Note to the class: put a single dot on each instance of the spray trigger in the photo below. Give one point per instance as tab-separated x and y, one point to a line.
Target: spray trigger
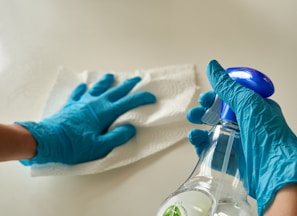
212	114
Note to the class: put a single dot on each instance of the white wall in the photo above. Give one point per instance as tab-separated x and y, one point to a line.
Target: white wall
37	37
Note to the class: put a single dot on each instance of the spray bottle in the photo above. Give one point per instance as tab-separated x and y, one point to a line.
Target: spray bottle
216	185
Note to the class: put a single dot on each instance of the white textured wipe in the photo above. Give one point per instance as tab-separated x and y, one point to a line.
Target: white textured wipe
159	125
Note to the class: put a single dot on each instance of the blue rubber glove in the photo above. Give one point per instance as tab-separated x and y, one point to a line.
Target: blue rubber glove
200	138
269	145
79	132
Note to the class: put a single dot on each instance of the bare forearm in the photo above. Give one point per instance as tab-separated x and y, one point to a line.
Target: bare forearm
16	143
284	202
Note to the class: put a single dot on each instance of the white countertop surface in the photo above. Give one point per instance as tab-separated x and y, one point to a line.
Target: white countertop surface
38	37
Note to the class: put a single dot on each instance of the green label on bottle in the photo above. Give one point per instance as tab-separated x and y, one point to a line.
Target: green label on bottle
188	203
172	211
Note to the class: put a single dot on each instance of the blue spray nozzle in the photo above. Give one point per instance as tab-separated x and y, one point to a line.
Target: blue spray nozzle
250	78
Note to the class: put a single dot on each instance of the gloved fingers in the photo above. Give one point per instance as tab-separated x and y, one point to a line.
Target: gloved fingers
77	92
122	90
113	138
206	99
102	85
195	114
133	100
199	138
234	94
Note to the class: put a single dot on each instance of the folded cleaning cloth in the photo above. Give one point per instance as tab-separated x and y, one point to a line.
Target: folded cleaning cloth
159	125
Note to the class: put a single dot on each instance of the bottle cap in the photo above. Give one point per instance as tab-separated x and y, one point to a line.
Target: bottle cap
250	78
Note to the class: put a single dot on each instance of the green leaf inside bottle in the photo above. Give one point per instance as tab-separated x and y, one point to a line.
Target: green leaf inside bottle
172	211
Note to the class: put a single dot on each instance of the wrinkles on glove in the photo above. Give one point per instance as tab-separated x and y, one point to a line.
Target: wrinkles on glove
269	145
79	132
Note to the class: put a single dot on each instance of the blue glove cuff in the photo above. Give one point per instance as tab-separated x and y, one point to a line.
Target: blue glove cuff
45	137
287	175
284	173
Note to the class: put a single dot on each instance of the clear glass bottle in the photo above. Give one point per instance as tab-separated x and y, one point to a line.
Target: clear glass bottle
216	185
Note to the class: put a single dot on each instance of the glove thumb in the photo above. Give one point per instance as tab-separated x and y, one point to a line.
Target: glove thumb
231	92
119	135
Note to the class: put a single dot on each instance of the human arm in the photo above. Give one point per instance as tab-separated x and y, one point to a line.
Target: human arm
284	202
16	143
269	145
80	131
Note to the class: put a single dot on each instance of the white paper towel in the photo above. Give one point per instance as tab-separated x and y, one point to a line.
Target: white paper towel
158	125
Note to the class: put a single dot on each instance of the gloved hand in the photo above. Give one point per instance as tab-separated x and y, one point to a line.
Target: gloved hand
269	145
79	132
200	138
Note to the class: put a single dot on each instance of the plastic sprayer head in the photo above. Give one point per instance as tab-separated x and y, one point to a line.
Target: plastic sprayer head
250	78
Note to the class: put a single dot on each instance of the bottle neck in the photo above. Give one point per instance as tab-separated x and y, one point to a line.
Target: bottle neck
228	124
222	161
